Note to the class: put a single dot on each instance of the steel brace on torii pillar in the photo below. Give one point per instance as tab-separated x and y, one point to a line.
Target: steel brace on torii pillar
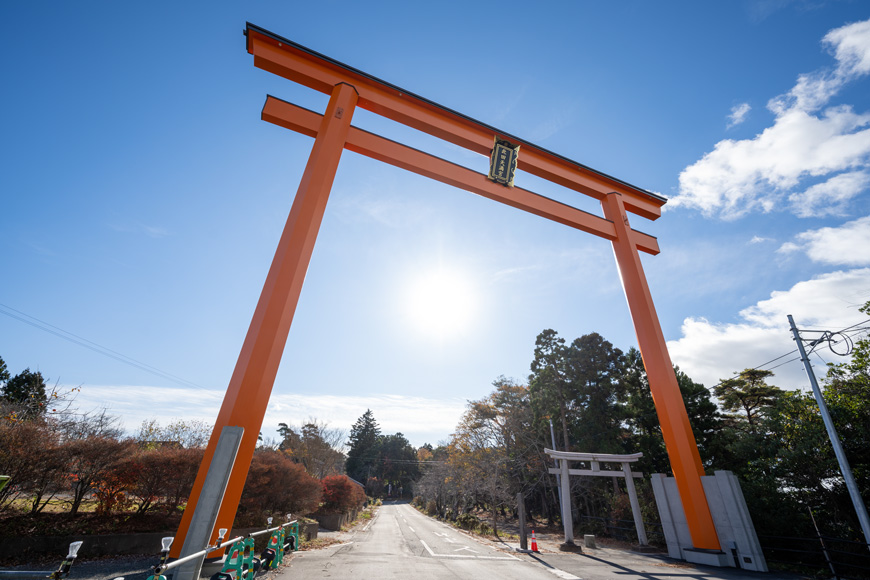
252	380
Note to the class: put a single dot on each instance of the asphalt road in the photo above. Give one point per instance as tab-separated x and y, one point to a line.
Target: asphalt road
400	542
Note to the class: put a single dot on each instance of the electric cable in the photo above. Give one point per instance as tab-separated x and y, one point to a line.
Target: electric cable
828	340
95	347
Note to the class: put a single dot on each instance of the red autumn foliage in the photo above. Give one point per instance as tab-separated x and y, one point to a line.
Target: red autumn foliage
341	495
277	485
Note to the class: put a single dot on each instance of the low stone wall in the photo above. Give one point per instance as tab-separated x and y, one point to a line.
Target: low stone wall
309	531
109	545
334	522
92	545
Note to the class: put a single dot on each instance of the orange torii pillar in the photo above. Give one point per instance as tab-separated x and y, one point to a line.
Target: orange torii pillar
251	384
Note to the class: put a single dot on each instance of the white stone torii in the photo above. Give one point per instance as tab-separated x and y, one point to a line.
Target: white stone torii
595	459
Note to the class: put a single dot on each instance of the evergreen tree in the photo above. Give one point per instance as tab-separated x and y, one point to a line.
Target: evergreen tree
748	393
25	390
549	388
594	370
4	373
643	422
397	462
364	441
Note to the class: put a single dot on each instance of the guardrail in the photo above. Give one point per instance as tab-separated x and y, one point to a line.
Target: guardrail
239	563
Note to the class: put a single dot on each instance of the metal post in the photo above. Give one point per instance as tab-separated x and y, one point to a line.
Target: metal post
521	510
205	514
857	501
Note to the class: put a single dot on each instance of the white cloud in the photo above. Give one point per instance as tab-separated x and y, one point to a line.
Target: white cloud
421	420
846	245
851	45
804	142
738	114
759	240
830	197
710	351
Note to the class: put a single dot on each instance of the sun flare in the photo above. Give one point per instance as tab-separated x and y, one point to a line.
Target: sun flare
441	303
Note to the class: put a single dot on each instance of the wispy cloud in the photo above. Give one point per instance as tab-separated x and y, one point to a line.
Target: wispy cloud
759	240
148	230
808	140
709	351
846	245
386	209
420	419
738	114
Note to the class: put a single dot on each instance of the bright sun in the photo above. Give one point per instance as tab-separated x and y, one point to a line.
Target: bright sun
441	303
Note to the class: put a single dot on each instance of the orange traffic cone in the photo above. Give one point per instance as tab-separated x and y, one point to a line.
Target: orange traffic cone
534	542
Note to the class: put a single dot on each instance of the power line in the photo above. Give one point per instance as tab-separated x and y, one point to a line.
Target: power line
857	327
90	345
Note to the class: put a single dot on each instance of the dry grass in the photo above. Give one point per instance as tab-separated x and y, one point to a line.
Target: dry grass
317	543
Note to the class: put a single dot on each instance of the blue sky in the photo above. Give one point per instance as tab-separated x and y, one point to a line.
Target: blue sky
142	196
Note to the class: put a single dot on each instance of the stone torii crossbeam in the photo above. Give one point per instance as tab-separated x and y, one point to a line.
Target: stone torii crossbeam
251	383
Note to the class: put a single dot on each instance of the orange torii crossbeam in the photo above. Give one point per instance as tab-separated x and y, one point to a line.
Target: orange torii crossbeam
255	371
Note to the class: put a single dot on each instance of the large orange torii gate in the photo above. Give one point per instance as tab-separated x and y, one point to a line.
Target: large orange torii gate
251	384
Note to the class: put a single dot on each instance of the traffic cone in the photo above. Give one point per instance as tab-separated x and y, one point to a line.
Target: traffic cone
534	542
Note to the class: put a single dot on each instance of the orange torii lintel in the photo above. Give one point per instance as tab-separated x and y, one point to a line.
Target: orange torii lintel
255	371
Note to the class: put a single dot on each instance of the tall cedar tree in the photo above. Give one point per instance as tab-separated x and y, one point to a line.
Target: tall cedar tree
362	458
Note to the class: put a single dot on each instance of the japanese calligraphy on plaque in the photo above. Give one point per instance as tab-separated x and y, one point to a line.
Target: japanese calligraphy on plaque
503	162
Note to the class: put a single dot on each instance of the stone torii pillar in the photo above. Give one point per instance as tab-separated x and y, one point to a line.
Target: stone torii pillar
595	460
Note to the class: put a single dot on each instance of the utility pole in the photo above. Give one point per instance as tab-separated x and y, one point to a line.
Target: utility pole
857	501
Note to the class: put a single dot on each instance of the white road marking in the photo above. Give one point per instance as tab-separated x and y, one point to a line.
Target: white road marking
434	555
465	548
447	538
412	530
562	574
428	549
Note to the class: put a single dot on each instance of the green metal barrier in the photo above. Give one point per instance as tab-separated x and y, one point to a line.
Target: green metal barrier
240	560
291	540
